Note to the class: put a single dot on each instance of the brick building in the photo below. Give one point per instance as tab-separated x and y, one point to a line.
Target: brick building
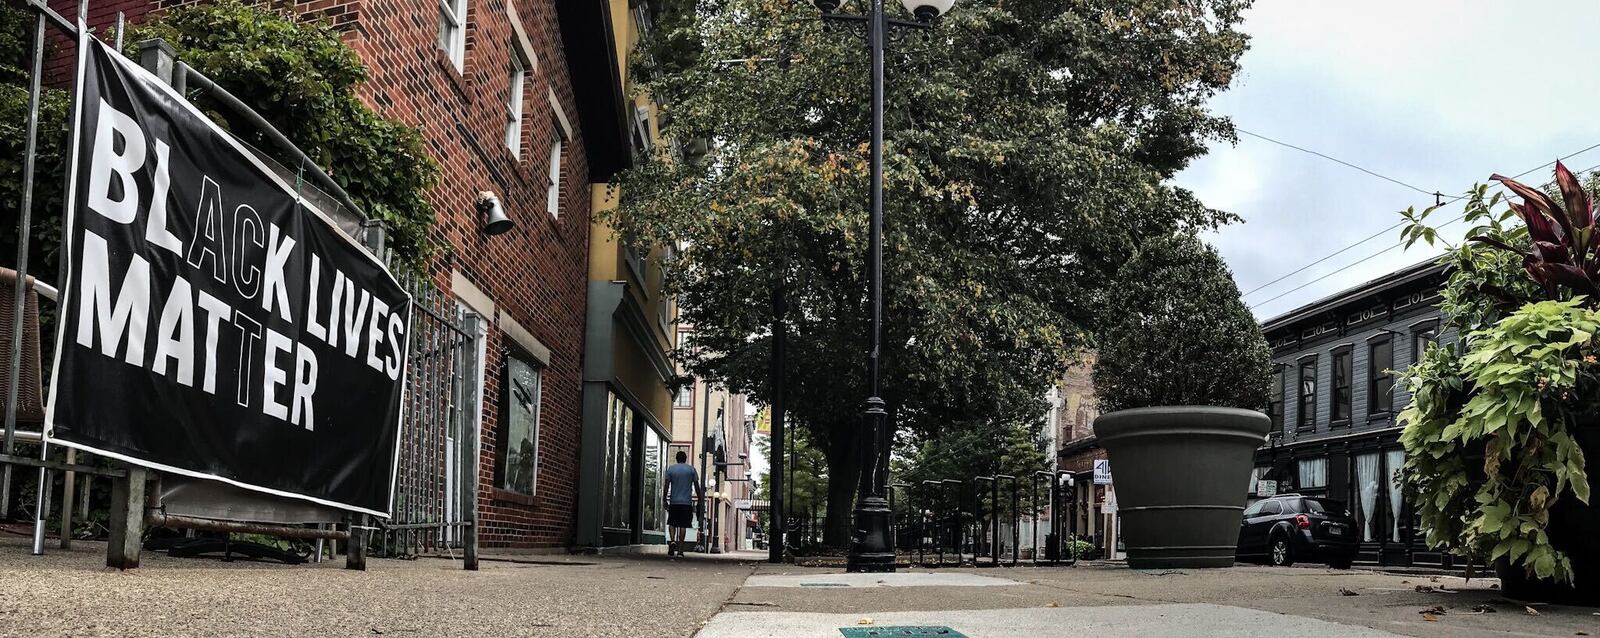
510	97
1075	406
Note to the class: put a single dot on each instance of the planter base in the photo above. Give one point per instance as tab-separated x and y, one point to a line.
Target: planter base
1180	475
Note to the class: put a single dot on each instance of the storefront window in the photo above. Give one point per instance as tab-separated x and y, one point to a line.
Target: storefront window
1313	473
1393	461
654	470
1372	496
619	450
519	430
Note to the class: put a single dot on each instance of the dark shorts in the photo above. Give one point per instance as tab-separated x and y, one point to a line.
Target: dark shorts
680	515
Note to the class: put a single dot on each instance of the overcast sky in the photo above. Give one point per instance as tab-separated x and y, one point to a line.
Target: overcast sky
1419	90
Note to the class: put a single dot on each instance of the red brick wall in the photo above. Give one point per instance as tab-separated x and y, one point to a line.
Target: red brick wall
537	272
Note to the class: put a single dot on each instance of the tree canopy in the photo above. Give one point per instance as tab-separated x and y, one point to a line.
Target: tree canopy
1028	147
1177	333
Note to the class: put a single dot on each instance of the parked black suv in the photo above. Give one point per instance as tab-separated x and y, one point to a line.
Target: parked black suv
1291	527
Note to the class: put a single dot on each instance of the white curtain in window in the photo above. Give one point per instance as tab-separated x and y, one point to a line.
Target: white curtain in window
1367	492
1394	460
1313	473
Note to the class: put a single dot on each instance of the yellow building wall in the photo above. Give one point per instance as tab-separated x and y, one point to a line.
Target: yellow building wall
635	373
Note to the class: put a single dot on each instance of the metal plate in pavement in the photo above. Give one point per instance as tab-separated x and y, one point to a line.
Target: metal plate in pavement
921	631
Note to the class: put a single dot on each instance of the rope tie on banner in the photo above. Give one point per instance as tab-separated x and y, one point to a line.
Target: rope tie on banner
299	181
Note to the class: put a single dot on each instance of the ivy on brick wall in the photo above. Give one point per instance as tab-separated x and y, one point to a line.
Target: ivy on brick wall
298	74
302	77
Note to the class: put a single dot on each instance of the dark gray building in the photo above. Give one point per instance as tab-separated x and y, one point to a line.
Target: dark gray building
1334	401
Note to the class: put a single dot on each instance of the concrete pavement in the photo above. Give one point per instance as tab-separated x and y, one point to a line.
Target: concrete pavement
71	594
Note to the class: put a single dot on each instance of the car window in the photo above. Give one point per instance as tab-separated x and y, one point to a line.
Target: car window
1254	509
1271	508
1292	506
1324	505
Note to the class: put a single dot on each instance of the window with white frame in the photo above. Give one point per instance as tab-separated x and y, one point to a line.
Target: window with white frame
453	31
552	196
516	87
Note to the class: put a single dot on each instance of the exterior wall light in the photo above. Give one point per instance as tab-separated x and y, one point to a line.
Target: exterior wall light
495	220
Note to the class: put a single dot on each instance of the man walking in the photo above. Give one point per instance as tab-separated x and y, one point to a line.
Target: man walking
683	487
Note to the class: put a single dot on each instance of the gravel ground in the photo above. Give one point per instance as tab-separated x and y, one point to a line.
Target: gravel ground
70	593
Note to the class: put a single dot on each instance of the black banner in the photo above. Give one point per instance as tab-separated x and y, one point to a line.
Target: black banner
214	324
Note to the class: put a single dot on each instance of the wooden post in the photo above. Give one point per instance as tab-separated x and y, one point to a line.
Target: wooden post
355	549
127	518
69	481
84	490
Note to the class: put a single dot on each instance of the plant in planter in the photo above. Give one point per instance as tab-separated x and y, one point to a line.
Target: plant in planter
1496	435
1182	373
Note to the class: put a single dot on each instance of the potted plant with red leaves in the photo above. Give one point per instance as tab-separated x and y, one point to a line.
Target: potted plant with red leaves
1182	374
1498	431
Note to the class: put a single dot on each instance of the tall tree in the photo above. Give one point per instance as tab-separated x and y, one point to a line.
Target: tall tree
1028	149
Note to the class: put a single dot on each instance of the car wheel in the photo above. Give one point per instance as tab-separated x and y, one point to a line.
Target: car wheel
1341	563
1279	552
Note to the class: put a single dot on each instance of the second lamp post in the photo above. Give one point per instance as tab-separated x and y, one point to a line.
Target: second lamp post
871	536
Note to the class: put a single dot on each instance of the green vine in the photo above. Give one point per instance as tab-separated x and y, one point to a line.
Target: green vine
302	77
298	74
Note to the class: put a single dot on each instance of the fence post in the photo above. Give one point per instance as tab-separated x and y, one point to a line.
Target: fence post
68	483
355	549
158	57
127	518
469	482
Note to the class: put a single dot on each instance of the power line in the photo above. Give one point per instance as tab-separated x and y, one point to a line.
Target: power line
1336	160
1398	225
1452	220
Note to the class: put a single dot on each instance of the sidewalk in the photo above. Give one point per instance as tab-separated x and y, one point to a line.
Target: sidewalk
69	593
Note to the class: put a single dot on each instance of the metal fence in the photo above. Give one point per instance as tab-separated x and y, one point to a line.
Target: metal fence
437	468
986	521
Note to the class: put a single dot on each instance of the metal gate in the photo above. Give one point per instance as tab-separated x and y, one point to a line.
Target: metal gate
437	465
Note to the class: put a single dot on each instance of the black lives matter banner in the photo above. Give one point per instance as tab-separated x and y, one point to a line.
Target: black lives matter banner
214	324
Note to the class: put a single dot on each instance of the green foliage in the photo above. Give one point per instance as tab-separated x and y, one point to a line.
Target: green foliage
1488	434
1511	400
807	489
1179	334
1484	284
975	449
302	77
1028	144
49	181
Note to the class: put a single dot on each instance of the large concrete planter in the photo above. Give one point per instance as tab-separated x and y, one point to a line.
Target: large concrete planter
1181	474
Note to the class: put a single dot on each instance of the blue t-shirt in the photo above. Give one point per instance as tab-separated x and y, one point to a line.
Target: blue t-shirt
681	479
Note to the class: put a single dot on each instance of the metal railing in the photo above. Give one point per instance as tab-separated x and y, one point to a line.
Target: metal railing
980	522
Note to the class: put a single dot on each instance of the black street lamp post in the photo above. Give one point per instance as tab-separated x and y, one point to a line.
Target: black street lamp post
871	539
